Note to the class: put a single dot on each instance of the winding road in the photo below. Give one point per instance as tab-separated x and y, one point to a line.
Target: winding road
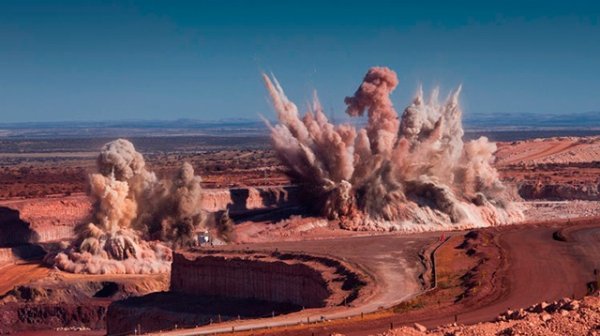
391	259
539	268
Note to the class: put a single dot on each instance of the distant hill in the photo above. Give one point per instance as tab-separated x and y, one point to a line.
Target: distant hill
474	123
229	127
527	120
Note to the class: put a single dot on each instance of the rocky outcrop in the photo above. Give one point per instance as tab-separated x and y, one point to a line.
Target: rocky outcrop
563	317
244	278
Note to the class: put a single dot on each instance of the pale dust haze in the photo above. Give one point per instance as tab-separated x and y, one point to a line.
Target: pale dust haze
138	218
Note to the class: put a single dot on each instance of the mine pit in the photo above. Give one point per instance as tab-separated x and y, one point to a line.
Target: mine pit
281	261
150	303
218	286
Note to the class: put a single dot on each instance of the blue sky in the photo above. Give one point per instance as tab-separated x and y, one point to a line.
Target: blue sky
111	60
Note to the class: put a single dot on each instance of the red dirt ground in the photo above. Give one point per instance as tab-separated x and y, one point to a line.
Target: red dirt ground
537	267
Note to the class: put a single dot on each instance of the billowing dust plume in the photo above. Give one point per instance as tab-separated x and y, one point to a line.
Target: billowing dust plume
414	173
138	218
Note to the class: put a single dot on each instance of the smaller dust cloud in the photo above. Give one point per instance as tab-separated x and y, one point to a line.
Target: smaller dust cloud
138	218
409	173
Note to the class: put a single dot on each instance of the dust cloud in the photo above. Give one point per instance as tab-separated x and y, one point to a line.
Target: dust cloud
413	173
138	218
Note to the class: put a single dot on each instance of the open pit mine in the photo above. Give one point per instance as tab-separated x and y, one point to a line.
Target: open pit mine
396	223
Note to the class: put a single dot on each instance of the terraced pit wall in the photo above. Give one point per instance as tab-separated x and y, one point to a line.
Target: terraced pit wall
236	277
30	221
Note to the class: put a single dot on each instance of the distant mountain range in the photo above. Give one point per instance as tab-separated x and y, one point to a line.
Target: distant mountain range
166	124
528	120
241	127
126	128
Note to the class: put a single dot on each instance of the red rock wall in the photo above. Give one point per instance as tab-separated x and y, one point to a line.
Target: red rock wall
274	281
42	219
13	230
10	255
536	190
60	211
239	200
52	219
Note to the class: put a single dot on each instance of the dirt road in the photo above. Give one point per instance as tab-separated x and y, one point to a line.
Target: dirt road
539	268
393	260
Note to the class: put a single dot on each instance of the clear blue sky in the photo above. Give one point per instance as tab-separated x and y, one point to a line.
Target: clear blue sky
111	60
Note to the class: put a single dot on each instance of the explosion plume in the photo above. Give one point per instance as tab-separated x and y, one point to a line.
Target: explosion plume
414	173
137	218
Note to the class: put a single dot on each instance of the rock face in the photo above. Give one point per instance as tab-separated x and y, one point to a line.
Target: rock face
12	254
14	231
49	316
242	200
42	219
55	301
552	191
209	286
274	281
51	219
167	310
552	168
